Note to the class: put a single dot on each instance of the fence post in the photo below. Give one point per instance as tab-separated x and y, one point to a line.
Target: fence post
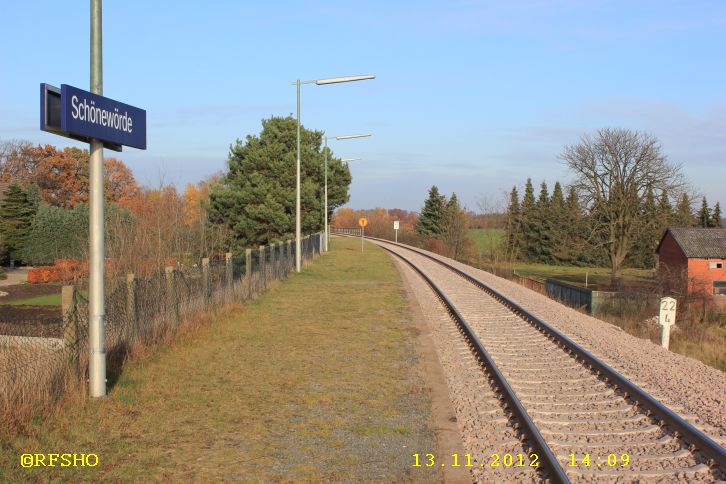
228	271
280	261
263	268
205	280
288	256
131	307
248	272
273	261
70	332
171	299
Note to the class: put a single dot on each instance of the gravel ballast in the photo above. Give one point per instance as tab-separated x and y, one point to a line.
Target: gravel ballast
694	390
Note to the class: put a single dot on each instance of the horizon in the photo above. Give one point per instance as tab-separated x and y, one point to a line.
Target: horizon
468	96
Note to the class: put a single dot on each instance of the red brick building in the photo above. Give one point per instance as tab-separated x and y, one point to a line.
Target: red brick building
694	259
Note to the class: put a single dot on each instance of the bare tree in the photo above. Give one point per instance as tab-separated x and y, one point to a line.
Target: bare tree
613	171
16	162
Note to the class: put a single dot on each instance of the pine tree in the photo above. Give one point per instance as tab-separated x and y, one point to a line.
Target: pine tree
256	197
455	232
542	250
717	218
16	217
430	222
642	254
558	200
704	214
683	216
571	245
665	210
514	228
529	221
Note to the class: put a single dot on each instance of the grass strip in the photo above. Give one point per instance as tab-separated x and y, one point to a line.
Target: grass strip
315	380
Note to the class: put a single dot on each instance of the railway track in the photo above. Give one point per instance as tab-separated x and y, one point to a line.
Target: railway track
581	418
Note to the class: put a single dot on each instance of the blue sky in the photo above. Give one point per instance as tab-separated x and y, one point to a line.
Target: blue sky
471	96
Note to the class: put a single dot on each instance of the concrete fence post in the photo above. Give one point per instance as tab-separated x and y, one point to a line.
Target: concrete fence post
263	268
132	311
171	299
228	271
206	287
70	325
273	262
248	272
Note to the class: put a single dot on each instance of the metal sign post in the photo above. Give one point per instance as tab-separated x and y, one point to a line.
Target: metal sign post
96	309
666	318
101	122
395	227
362	222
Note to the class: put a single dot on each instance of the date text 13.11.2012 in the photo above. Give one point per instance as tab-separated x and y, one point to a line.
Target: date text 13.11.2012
465	460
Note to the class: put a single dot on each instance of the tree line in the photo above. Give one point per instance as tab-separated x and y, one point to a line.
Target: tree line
624	194
444	224
44	211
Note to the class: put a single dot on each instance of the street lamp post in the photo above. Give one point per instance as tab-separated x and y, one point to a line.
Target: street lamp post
325	203
298	83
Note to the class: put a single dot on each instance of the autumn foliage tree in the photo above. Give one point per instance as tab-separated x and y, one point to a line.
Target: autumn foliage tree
62	175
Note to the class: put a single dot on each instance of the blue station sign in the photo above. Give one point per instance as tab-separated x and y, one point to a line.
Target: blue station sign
82	115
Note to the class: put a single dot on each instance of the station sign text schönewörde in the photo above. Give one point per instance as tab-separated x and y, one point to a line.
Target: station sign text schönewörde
84	115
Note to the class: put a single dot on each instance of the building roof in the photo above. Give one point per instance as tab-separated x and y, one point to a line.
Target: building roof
698	243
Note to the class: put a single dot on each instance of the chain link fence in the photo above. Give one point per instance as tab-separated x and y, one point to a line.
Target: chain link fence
40	360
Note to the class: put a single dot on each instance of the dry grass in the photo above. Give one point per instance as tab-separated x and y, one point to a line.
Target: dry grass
696	336
30	385
314	380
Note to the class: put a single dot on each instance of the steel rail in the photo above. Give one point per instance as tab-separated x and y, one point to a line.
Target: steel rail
665	415
554	469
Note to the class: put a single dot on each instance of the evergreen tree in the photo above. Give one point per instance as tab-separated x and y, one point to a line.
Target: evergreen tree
558	200
717	218
256	197
683	216
570	231
642	254
455	232
58	233
704	214
430	222
529	221
543	250
665	210
16	217
514	229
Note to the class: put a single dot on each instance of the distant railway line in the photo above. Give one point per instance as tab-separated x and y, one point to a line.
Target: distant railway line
580	417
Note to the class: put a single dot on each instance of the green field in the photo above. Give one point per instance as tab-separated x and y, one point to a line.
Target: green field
487	241
597	277
314	381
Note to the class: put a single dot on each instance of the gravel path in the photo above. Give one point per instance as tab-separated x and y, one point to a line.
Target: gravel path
18	275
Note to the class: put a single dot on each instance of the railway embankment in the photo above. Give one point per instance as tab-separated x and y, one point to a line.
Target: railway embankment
693	389
565	408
